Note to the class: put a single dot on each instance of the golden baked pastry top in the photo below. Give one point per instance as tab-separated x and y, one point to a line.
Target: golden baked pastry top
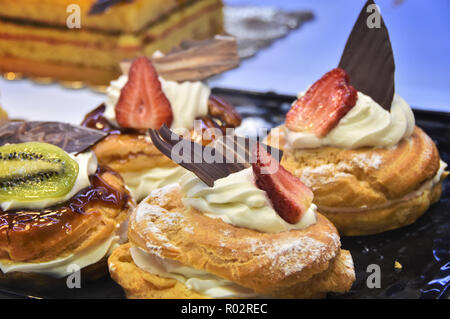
84	221
130	153
263	262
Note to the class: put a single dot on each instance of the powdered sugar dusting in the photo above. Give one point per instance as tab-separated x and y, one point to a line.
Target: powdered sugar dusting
292	255
146	212
112	267
160	195
153	249
324	174
329	173
189	229
367	161
152	213
348	261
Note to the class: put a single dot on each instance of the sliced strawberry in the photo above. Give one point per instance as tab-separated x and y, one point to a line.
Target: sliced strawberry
142	103
289	196
323	105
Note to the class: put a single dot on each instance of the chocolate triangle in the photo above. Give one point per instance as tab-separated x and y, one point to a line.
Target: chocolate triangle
368	58
239	148
195	60
228	155
71	138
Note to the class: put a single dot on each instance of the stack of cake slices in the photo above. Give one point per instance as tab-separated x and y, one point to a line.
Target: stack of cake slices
36	39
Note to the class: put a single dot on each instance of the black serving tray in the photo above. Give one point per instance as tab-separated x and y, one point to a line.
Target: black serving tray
422	249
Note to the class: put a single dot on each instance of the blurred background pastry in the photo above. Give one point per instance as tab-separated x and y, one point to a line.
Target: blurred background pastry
36	40
3	115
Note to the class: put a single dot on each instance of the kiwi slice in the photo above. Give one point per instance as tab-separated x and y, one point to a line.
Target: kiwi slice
33	171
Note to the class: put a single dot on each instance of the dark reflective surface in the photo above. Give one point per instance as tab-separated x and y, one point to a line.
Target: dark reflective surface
422	249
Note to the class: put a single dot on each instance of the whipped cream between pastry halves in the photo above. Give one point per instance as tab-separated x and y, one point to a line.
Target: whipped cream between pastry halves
87	165
142	182
63	266
238	201
188	100
366	124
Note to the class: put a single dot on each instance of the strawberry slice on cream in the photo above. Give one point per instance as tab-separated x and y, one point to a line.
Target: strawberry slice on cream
290	198
323	105
142	103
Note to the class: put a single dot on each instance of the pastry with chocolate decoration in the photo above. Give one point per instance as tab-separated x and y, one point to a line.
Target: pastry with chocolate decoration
144	99
230	230
354	141
60	211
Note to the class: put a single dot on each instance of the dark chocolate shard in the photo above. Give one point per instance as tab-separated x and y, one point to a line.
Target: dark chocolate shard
190	156
71	138
101	6
209	163
368	58
195	60
240	148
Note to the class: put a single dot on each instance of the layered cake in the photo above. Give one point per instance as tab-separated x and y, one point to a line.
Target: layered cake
36	41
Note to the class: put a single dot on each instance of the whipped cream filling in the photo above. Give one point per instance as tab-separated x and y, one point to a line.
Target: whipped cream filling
238	201
366	124
194	279
62	267
188	100
87	165
426	186
141	183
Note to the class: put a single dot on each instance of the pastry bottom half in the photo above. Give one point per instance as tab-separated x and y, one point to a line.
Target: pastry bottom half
139	284
34	282
372	221
304	263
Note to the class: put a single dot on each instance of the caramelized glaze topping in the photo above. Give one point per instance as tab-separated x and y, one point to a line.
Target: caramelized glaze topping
100	192
97	121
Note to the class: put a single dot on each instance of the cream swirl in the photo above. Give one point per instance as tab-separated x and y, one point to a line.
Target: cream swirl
366	124
238	201
188	100
141	183
87	165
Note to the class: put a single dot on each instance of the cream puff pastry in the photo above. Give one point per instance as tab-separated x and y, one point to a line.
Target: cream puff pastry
231	240
58	209
354	141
